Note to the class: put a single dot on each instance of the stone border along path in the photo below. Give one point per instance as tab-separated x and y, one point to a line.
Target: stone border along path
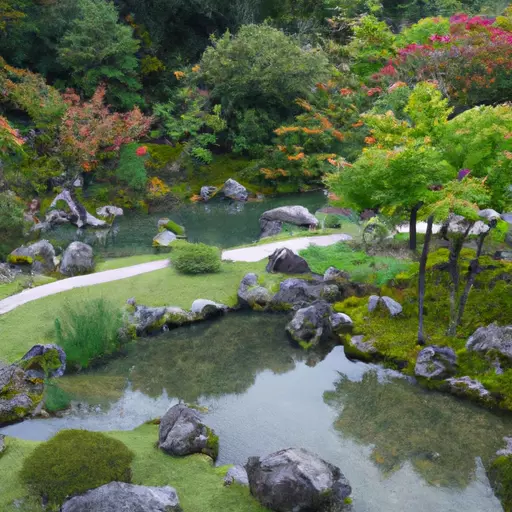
247	254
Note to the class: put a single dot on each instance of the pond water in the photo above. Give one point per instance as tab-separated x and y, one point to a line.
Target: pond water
223	223
402	448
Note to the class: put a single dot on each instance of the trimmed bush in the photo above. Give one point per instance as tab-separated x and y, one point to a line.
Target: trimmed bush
195	258
88	331
175	228
73	462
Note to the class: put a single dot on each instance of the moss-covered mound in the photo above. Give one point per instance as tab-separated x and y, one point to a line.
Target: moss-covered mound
73	462
500	475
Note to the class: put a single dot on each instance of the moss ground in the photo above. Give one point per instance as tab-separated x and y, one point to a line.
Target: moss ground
199	484
33	322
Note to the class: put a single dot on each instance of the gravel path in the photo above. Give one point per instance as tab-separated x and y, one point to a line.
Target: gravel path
63	285
260	252
248	254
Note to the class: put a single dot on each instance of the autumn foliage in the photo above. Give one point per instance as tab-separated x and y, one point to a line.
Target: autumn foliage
91	132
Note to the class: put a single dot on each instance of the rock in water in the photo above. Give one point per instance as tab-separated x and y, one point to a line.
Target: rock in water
435	363
236	475
118	497
164	239
207	308
42	255
312	325
110	211
207	192
467	387
78	259
492	337
286	261
297	215
234	190
251	294
183	433
295	480
79	215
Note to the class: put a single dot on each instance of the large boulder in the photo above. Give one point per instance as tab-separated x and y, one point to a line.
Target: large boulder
122	497
272	221
164	239
148	320
234	190
182	433
285	261
297	293
295	480
204	308
40	255
493	337
48	360
251	294
311	325
77	259
435	363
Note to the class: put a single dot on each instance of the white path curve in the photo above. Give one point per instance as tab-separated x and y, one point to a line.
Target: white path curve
248	254
260	252
63	285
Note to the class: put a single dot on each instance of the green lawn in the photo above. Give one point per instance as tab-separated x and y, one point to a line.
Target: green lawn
21	282
199	484
33	322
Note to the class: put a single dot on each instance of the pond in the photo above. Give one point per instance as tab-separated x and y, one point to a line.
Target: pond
223	223
401	447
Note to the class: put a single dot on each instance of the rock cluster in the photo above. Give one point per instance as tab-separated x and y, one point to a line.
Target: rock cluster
392	306
436	363
40	256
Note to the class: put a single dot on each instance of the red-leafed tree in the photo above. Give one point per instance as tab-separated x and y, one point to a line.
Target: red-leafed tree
90	132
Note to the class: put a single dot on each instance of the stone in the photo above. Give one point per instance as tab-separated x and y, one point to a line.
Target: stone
20	394
358	347
435	363
207	308
311	326
122	497
332	274
50	359
297	215
78	183
296	293
41	253
79	215
504	255
7	274
492	337
251	294
295	480
77	259
392	306
236	475
207	192
270	228
340	320
234	190
489	214
109	211
508	449
467	387
152	320
164	239
182	433
285	261
330	293
507	217
57	217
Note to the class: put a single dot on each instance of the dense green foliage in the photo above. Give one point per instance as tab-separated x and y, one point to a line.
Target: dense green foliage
195	258
501	477
11	223
88	332
51	469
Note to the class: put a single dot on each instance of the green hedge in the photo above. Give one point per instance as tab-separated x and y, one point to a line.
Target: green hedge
195	258
73	462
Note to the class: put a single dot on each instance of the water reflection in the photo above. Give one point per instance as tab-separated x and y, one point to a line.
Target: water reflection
440	436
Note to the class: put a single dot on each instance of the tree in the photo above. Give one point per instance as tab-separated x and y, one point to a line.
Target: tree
11	222
90	132
97	48
260	68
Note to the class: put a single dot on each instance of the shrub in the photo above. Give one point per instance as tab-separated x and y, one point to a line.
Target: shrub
88	331
332	221
75	461
196	258
174	228
11	222
132	169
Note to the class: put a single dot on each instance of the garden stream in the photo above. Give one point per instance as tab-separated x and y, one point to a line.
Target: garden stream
223	223
402	448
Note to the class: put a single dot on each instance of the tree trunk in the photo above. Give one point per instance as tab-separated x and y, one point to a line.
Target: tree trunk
422	278
474	270
456	244
413	219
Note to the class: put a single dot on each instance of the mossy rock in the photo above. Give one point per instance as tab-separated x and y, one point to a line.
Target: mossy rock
171	226
14	259
212	444
73	462
500	475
